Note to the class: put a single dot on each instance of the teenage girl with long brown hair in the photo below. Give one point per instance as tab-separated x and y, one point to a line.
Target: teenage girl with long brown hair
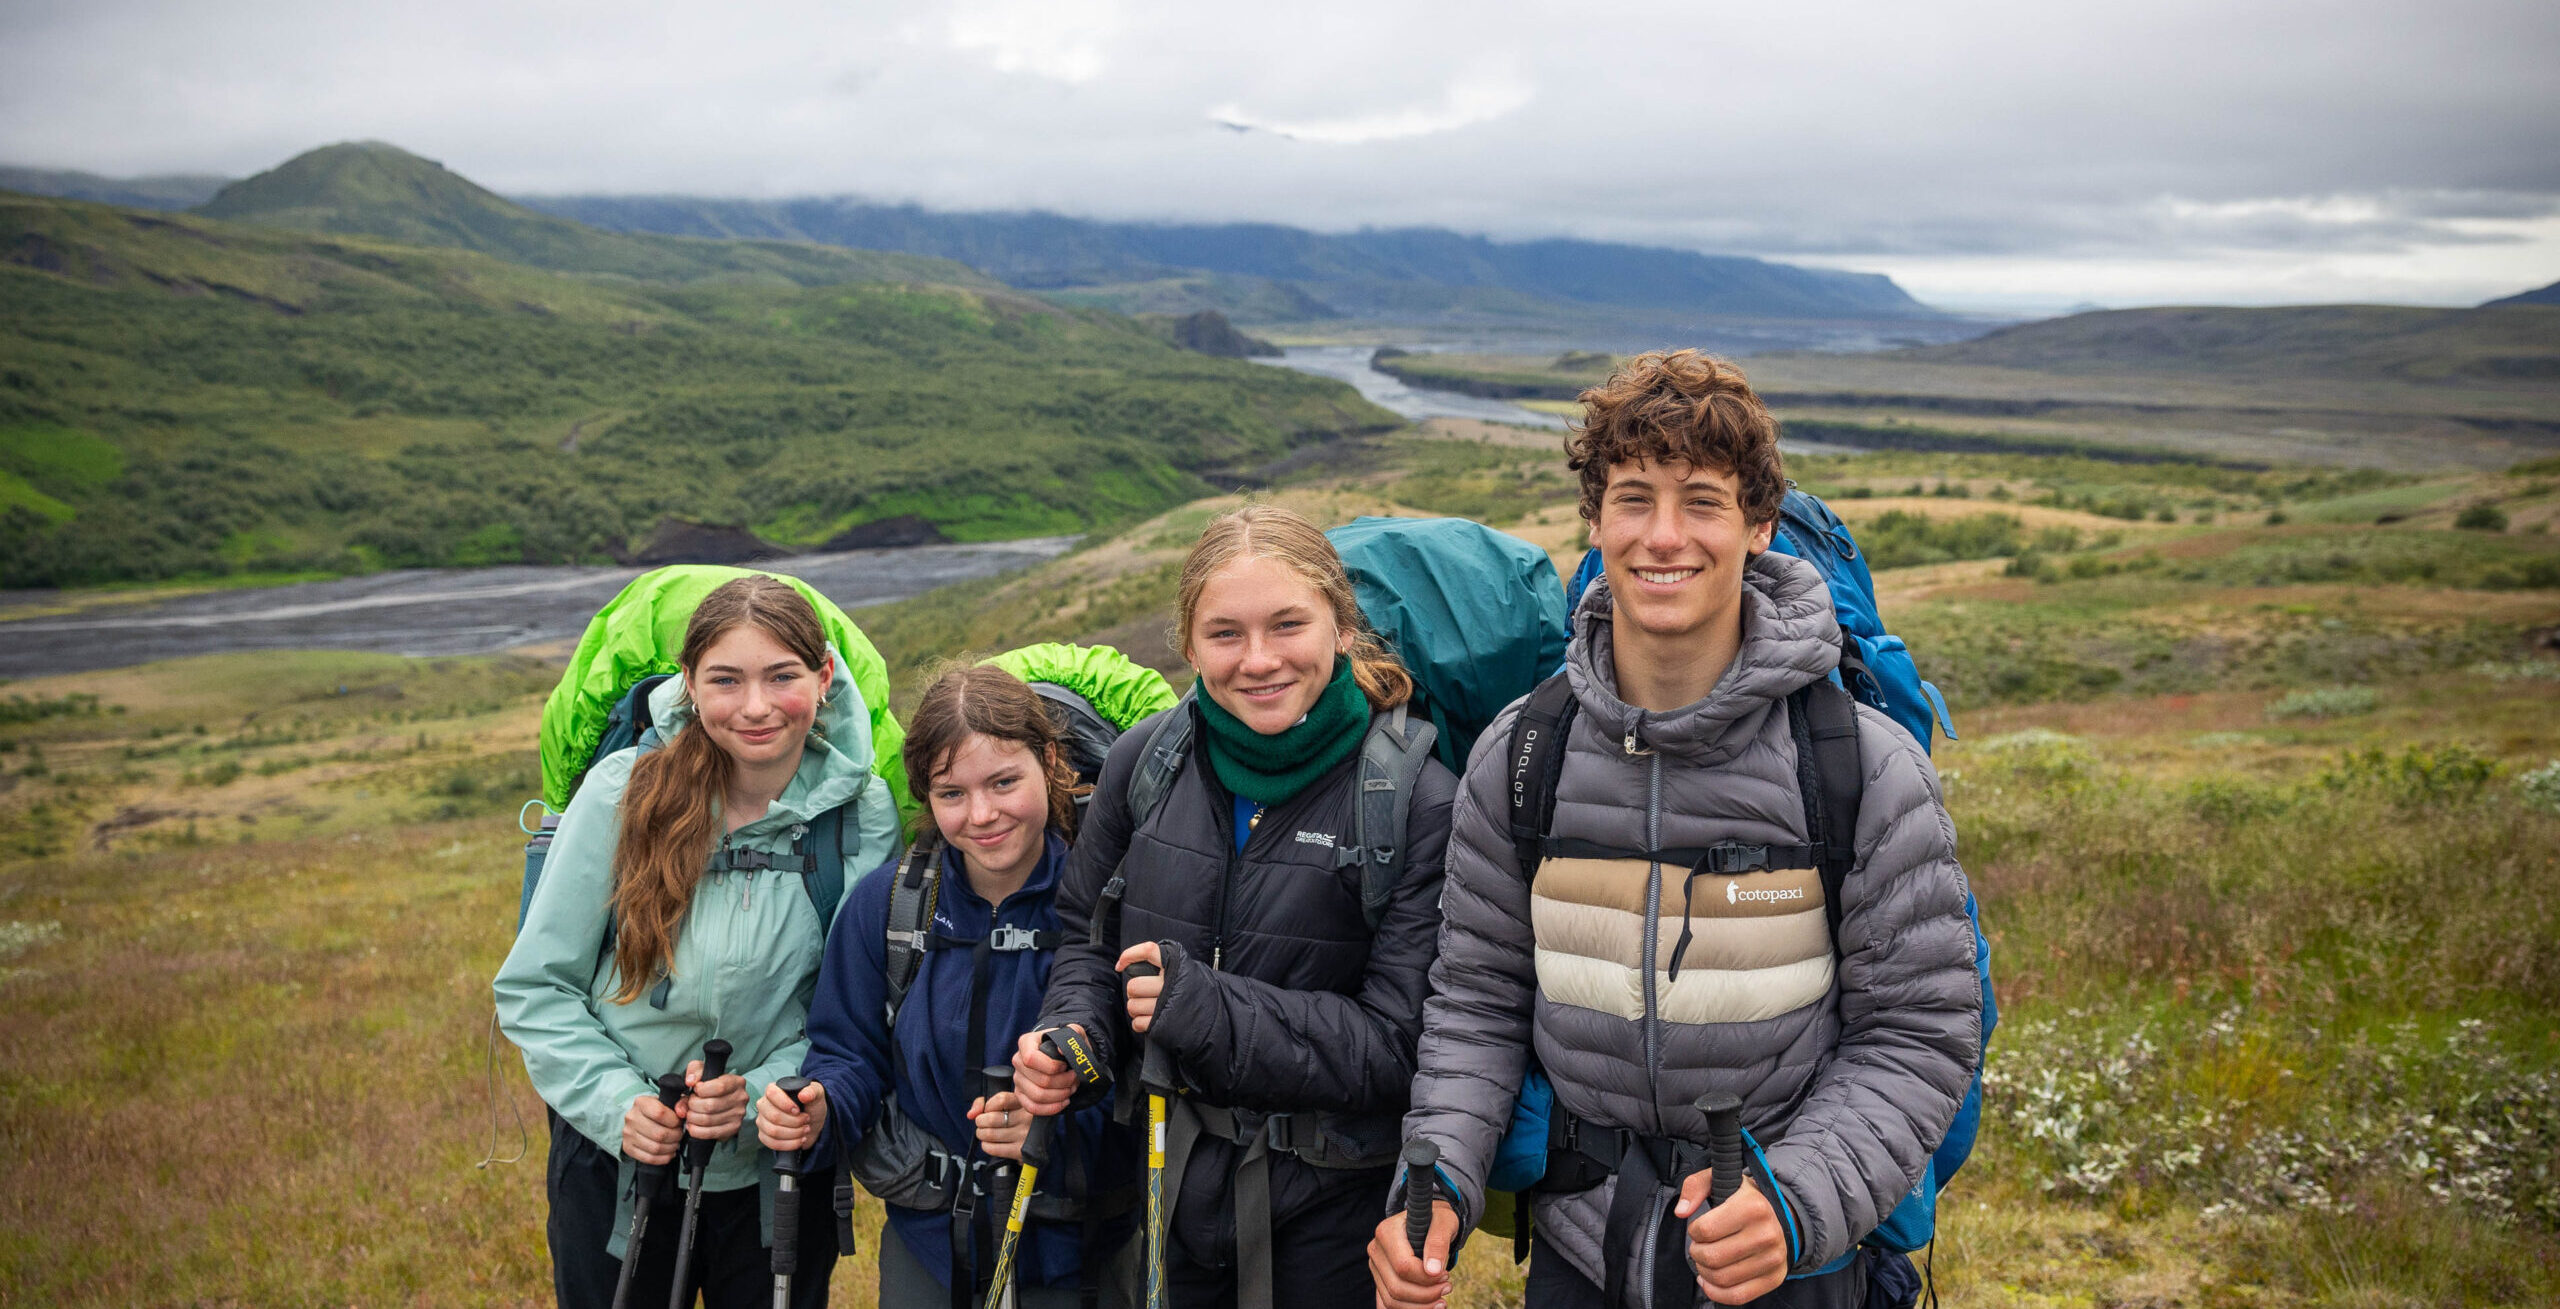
673	910
985	758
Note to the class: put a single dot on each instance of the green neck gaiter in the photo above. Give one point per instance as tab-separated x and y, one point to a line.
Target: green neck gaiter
1270	769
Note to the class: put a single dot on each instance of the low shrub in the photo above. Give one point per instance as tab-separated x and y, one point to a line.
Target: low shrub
2324	702
2255	1110
2541	787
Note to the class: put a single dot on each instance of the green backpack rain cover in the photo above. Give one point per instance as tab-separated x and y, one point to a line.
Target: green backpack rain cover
1118	687
638	633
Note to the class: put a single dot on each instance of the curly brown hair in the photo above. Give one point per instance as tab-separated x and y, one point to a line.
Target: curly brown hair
1681	407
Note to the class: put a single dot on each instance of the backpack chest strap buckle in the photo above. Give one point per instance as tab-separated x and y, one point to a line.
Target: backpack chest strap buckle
1008	938
742	860
1730	857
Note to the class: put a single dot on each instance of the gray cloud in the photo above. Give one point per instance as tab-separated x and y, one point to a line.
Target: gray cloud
1881	135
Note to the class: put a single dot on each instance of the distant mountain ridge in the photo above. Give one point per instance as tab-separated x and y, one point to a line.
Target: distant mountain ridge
368	188
166	191
2494	342
2540	295
1356	274
1254	273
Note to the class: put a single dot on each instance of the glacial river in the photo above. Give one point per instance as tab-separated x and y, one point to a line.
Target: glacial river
1350	363
437	611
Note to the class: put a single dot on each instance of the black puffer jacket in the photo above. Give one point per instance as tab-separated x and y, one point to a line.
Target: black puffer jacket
1307	1011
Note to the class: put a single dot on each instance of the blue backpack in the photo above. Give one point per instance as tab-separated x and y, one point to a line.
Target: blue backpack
1877	669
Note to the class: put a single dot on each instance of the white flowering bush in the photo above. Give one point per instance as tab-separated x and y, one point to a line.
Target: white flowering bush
2254	1115
2541	787
2542	670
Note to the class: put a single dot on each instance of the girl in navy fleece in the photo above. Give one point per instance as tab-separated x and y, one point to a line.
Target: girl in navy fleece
983	755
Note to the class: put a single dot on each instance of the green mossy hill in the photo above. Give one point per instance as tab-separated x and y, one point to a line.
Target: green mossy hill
183	397
2519	343
367	188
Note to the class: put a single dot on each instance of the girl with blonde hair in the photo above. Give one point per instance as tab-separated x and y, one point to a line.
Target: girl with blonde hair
1288	1006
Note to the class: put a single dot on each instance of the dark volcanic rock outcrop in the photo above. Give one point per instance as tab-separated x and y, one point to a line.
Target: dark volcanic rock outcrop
1209	332
679	542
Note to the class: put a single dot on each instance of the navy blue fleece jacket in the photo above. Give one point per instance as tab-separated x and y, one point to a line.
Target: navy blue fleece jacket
849	1045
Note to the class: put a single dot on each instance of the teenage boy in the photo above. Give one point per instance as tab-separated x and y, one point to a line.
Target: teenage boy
1645	973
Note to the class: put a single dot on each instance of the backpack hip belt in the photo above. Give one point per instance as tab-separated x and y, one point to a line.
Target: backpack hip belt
1260	1135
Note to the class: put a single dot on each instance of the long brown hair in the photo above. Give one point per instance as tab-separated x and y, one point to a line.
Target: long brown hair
988	701
670	809
1271	532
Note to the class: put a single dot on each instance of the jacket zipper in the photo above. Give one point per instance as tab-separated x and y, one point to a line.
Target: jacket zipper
1652	934
1226	892
1652	1243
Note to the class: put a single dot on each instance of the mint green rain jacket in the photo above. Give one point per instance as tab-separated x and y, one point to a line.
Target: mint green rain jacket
746	957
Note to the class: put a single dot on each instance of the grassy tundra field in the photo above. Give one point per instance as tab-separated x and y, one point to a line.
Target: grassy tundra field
2261	798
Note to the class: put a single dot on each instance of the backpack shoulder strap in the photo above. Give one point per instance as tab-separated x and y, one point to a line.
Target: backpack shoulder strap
823	847
1167	750
1832	778
1391	757
1537	762
909	926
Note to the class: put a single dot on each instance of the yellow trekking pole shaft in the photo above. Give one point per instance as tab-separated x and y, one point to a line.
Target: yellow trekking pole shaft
1035	1156
1155	1201
1155	1074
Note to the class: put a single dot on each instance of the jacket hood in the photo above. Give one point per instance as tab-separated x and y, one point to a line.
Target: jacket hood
1790	638
835	764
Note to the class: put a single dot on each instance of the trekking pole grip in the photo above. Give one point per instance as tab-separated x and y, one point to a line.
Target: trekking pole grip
715	1063
1421	1186
671	1089
1155	1067
794	1162
1724	1144
789	1164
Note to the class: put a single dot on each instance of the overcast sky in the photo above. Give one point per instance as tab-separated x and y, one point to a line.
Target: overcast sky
2016	156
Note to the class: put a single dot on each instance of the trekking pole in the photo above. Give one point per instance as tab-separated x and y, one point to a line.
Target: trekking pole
788	1165
1155	1076
1035	1156
648	1182
697	1159
1724	1144
1421	1186
1063	1045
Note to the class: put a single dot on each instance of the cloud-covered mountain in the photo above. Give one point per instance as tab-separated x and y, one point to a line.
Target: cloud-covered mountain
1396	273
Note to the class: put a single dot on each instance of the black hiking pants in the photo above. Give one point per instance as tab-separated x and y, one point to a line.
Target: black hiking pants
1319	1254
1556	1284
732	1266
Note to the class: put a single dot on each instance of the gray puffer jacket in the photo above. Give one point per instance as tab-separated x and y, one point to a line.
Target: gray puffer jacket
1850	1063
